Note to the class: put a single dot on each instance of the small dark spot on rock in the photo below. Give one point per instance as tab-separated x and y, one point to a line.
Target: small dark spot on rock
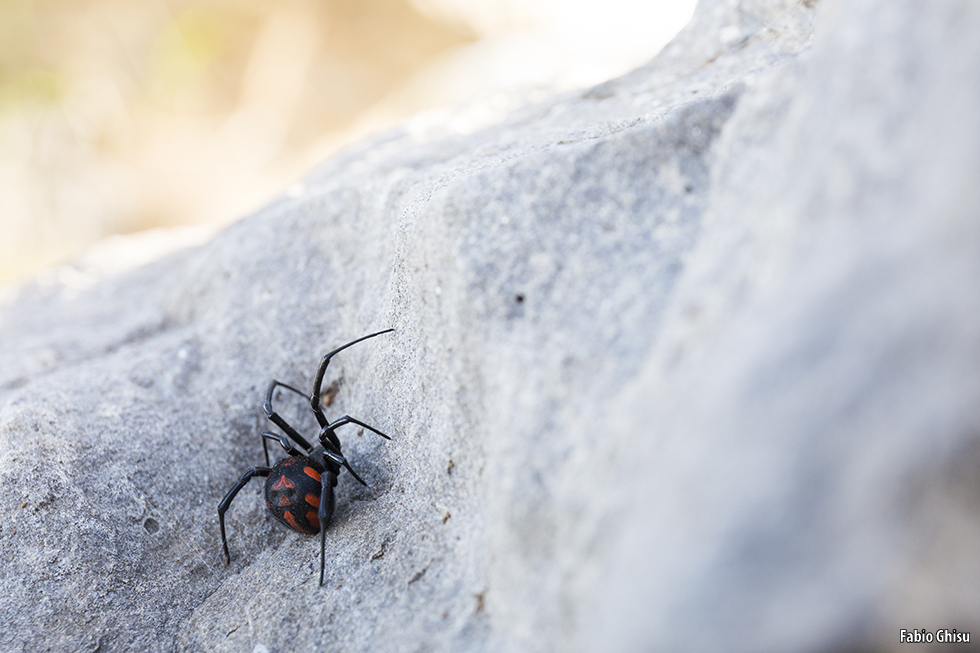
381	551
48	500
418	576
479	601
23	505
449	469
151	525
519	299
688	188
329	393
446	517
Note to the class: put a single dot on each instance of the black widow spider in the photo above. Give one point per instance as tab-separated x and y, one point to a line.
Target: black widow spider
295	490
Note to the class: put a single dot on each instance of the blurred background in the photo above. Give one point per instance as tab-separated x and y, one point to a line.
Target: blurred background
118	117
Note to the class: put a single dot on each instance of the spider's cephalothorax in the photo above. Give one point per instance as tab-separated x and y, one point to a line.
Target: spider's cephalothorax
299	489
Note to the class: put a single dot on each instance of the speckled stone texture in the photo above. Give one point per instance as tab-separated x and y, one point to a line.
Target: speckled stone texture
688	361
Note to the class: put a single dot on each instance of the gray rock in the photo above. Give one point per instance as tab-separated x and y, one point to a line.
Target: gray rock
687	361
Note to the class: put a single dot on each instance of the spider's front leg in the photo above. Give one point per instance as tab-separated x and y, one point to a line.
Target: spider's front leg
283	442
279	421
322	369
332	452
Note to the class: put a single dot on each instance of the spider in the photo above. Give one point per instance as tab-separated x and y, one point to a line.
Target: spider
299	489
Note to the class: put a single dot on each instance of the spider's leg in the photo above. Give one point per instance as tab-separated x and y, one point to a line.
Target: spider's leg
331	437
315	397
279	421
324	513
347	419
332	454
226	502
290	449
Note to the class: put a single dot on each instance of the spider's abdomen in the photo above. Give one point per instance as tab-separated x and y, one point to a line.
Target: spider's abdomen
292	492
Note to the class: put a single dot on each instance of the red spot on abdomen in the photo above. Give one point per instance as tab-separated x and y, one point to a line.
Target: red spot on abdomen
313	500
283	482
313	519
312	473
283	501
292	521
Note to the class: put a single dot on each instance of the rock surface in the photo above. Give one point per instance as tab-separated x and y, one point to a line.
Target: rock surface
687	361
